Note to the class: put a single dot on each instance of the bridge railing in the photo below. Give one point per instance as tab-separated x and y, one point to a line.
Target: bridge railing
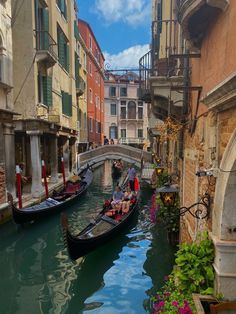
115	151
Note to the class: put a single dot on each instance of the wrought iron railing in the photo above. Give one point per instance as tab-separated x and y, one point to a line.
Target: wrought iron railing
45	42
145	68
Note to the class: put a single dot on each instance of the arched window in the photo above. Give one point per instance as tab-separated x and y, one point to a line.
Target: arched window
131	110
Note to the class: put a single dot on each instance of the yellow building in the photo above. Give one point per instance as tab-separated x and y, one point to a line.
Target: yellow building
44	53
82	95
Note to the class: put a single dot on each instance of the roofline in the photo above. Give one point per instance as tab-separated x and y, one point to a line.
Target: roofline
86	23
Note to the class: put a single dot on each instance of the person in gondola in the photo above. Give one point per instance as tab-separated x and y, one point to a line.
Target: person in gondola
128	195
131	174
117	198
116	204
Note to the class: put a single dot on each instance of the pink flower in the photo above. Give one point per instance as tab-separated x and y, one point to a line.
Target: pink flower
167	294
175	303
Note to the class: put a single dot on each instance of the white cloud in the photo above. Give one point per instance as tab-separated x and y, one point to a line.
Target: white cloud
127	58
133	12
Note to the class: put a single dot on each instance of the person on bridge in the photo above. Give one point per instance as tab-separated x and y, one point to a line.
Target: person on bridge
131	174
105	141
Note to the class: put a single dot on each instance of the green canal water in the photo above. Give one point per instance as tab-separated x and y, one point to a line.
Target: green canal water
36	275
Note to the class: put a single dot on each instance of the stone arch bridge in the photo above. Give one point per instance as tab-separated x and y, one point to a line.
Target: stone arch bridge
125	152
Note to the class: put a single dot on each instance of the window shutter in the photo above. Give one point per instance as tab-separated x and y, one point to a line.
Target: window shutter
60	38
116	132
63	99
45	28
76	30
47	90
67	57
70	105
65	9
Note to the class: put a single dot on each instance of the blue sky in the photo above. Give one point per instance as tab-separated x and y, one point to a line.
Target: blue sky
122	28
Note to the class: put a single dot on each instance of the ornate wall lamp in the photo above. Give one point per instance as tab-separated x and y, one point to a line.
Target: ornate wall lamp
199	210
159	170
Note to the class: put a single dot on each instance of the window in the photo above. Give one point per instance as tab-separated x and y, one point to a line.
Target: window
45	90
123	92
140	103
123	103
90	124
96	123
90	69
123	133
131	110
63	7
90	43
102	106
113	109
66	104
98	102
113	132
140	133
112	91
123	112
63	49
85	61
90	96
140	112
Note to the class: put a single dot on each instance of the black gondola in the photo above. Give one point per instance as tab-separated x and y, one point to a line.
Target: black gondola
98	232
57	202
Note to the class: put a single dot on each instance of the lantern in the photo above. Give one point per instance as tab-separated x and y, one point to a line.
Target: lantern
159	170
168	194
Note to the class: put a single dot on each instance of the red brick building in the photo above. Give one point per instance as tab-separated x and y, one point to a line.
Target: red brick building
95	84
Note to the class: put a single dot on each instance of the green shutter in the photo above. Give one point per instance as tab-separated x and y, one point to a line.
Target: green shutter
45	42
77	67
63	100
60	39
47	90
76	30
67	57
65	10
70	105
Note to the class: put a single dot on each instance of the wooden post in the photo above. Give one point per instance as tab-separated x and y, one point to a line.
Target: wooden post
45	178
63	171
18	186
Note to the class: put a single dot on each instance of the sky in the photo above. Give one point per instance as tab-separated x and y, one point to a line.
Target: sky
122	29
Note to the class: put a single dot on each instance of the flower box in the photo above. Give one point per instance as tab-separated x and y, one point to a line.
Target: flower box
202	303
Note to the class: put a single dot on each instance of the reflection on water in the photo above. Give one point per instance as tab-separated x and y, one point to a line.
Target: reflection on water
38	277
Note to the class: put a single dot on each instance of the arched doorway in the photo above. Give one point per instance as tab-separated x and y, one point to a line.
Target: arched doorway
224	223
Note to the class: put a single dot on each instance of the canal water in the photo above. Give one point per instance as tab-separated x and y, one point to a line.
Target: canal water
36	275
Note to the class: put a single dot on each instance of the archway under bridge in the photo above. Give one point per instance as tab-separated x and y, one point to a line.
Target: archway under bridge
106	152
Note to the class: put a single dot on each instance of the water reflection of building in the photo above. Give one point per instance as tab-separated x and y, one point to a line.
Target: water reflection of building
107	178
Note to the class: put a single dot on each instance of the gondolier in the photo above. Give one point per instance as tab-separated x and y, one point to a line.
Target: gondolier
131	174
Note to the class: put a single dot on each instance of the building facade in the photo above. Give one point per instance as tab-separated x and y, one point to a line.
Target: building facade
210	142
81	91
95	85
201	69
126	119
45	87
7	148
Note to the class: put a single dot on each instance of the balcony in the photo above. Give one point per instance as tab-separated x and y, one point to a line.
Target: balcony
131	140
80	86
46	48
144	92
196	15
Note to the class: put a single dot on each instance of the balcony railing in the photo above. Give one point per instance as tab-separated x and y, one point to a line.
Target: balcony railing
131	140
46	48
145	67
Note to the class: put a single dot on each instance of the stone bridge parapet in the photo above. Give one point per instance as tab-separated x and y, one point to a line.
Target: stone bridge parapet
125	152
